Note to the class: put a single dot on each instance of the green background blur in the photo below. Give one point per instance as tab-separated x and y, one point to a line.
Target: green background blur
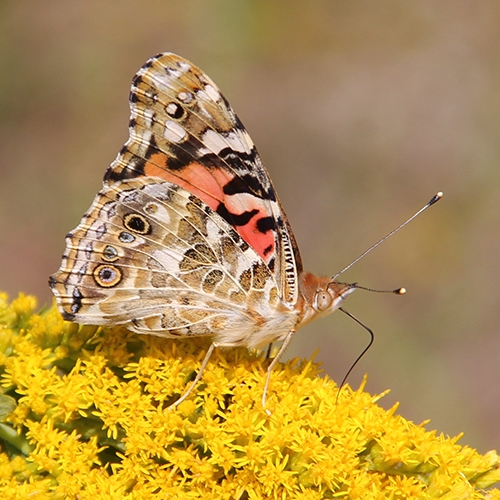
361	110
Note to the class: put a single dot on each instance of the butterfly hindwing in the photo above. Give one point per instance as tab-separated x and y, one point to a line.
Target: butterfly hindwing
151	255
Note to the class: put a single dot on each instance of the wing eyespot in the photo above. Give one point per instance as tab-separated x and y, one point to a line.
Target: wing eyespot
110	254
107	276
125	237
137	223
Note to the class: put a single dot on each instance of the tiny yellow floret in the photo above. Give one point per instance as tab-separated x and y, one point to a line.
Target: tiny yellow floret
84	415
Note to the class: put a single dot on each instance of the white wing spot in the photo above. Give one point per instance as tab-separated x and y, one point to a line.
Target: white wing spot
142	138
174	132
184	66
239	142
164	81
212	93
173	73
148	117
172	108
186	97
214	141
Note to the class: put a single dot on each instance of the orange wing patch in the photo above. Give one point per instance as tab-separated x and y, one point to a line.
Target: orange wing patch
208	185
194	178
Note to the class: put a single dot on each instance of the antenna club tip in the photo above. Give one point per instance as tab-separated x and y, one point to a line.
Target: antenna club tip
436	197
400	291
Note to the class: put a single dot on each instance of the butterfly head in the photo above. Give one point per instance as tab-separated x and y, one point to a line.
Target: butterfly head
321	296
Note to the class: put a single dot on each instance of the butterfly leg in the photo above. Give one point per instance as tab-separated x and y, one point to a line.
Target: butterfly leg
197	378
268	352
274	362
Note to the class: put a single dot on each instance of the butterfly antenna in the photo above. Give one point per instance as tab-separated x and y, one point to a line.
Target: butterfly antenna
398	291
433	200
372	338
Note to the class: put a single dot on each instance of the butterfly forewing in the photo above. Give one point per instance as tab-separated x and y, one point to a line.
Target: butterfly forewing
184	131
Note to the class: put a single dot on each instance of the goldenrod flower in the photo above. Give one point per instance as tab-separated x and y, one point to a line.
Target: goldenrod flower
83	415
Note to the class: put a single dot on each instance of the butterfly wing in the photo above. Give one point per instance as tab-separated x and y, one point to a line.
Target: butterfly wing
153	256
187	236
183	130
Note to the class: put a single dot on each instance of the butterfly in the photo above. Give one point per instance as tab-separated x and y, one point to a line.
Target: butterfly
187	236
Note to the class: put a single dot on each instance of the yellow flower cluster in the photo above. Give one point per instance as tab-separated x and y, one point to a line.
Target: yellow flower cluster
83	416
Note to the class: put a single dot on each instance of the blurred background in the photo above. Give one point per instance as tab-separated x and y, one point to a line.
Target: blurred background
361	112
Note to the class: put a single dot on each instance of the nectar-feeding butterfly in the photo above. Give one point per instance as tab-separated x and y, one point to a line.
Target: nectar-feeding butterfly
187	236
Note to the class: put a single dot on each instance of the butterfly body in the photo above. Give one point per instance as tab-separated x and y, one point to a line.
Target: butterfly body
187	237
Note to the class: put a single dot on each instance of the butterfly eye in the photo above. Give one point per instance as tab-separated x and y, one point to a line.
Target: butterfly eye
323	301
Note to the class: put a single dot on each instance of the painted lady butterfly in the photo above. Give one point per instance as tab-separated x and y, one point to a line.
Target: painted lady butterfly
187	237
